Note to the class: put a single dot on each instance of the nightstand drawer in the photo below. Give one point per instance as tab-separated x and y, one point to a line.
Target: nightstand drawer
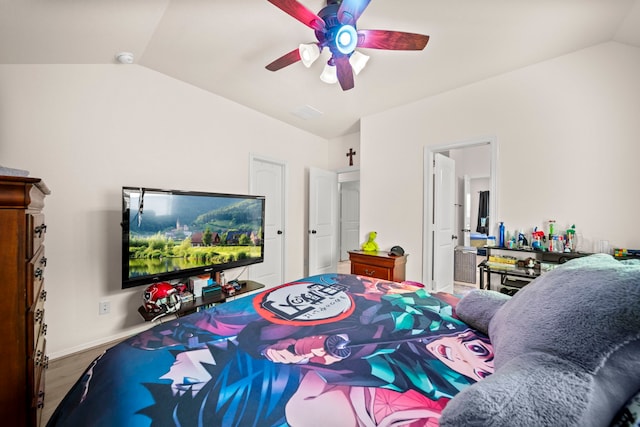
372	271
380	265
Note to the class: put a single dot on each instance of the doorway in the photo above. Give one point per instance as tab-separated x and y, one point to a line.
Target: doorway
334	219
349	190
267	177
464	154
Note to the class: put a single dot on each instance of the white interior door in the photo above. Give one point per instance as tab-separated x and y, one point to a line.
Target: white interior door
443	223
267	178
466	207
323	221
349	218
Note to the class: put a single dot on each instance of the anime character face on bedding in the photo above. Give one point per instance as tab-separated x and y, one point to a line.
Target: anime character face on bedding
189	373
273	366
467	353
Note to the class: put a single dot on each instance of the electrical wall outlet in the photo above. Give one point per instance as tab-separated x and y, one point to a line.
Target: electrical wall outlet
104	307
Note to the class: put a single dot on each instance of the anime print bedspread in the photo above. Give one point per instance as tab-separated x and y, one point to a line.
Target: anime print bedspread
328	350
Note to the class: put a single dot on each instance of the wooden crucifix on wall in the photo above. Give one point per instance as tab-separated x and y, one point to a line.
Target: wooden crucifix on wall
350	155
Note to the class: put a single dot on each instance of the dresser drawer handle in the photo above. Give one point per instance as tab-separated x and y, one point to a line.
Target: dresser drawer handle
43	295
40	230
38	273
39	315
43	261
42	360
44	329
369	272
40	399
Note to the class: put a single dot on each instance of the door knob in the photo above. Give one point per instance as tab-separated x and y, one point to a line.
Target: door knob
453	237
279	232
312	231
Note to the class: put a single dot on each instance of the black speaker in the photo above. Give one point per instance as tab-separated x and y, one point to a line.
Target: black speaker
396	251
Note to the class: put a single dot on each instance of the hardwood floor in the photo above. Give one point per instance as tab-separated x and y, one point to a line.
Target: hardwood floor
344	267
63	373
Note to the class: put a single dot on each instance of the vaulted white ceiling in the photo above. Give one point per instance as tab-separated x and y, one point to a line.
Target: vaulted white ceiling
223	46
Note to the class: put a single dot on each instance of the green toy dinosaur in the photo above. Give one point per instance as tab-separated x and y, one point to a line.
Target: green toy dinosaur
370	245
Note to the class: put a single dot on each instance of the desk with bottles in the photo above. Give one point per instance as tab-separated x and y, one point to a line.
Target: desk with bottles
513	278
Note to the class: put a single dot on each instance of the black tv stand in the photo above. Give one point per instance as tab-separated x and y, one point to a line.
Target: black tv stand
192	306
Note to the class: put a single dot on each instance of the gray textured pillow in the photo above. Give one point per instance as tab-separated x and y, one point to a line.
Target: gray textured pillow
567	348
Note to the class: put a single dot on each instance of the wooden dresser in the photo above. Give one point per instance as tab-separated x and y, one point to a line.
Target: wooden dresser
23	357
378	264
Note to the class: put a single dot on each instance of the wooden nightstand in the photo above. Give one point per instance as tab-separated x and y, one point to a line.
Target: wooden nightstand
378	264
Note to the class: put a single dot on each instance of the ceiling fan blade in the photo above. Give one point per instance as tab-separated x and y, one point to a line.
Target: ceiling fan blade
345	72
284	60
301	13
350	10
391	40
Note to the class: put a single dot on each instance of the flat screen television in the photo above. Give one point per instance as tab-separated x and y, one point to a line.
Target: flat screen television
172	234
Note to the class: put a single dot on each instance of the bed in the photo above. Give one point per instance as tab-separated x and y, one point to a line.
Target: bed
327	350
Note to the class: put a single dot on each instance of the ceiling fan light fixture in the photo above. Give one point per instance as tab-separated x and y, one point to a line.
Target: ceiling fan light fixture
346	39
308	53
329	74
358	61
335	27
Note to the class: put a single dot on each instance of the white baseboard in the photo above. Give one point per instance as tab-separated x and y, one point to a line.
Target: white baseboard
102	341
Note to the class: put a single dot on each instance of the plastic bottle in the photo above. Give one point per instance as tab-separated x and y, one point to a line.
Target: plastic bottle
501	235
571	239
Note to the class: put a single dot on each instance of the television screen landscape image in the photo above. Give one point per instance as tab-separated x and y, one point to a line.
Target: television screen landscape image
170	234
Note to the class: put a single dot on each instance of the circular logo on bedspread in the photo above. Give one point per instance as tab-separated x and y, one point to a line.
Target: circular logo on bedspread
304	303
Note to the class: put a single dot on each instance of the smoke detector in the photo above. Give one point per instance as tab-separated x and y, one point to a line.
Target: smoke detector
125	57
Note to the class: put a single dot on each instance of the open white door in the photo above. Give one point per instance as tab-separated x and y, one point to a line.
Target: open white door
466	206
323	221
267	178
436	266
443	223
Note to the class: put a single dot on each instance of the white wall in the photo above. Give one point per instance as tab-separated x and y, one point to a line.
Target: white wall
567	131
473	161
88	130
338	149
